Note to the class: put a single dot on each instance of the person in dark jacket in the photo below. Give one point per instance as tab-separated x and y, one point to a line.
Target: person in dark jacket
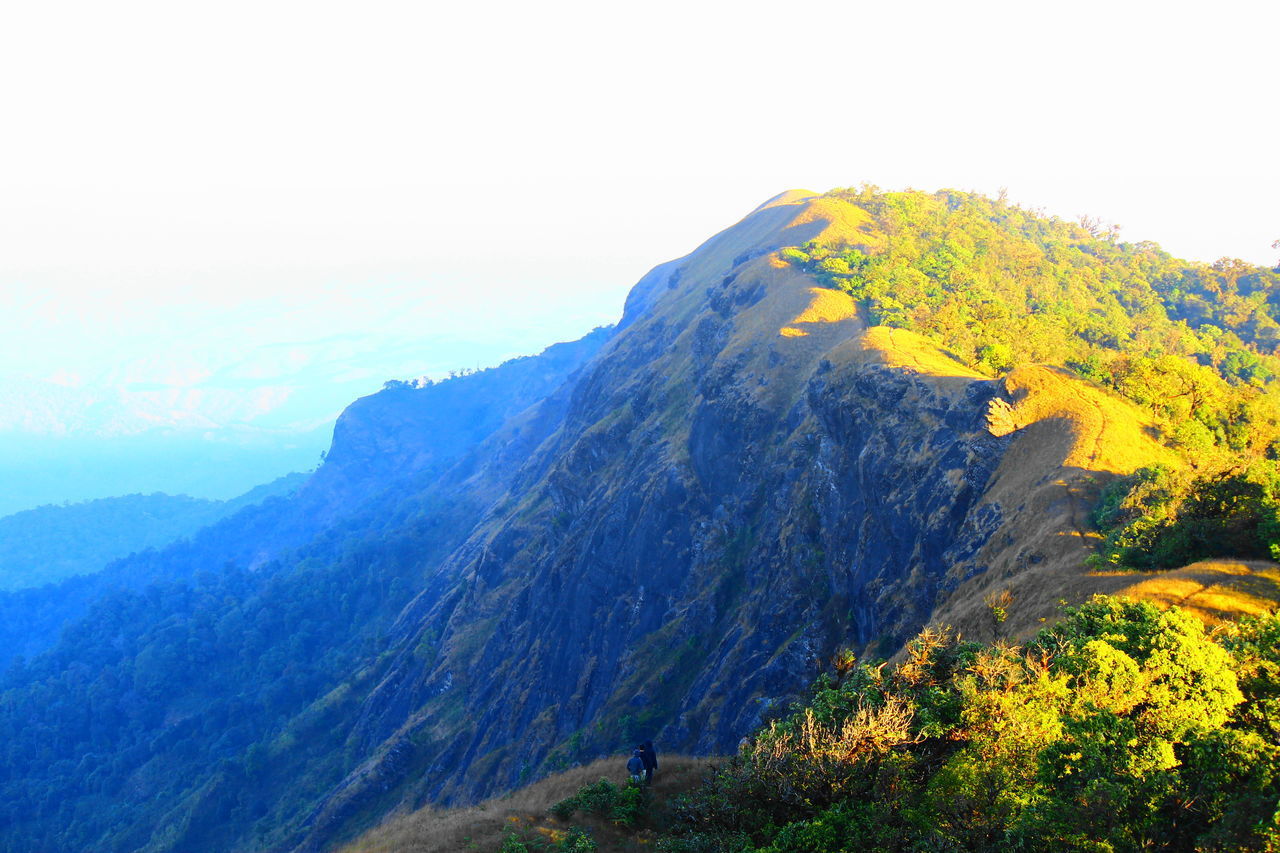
635	765
650	759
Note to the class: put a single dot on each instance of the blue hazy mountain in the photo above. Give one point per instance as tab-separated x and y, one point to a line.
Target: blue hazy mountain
52	542
210	423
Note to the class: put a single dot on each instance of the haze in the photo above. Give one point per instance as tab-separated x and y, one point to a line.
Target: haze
228	221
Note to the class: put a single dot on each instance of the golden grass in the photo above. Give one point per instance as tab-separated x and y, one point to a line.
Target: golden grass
1214	590
483	827
1069	438
907	350
825	306
842	223
1104	432
787	294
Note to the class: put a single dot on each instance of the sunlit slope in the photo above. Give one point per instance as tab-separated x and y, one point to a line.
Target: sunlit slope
1214	590
1057	439
746	477
1069	436
782	451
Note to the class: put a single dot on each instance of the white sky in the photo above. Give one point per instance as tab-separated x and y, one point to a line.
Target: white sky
507	170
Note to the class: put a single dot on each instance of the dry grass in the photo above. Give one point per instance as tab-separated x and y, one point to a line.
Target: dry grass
1214	590
483	827
843	224
1068	438
1105	432
906	350
825	306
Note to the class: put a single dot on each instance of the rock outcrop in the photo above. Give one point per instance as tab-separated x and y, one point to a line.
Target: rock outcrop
744	479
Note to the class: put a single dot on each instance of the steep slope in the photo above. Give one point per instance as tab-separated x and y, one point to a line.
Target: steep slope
747	477
663	533
165	715
409	430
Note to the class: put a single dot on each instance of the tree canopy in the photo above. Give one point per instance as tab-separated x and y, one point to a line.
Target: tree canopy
1119	729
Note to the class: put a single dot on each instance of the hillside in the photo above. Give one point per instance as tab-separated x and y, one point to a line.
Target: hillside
49	543
527	814
784	449
1091	736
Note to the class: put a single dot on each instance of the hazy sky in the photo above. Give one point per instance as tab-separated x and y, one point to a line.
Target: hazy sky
503	172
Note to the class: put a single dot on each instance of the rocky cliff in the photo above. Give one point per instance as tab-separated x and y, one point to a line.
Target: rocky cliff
744	479
661	531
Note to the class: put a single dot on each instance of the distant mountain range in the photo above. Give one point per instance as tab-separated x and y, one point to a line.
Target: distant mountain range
211	425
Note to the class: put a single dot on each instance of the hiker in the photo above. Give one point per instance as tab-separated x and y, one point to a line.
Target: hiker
635	766
650	759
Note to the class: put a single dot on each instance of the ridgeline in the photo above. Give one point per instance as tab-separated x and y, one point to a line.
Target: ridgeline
846	420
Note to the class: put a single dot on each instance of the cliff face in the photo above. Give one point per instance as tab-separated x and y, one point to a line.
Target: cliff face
744	479
407	431
660	531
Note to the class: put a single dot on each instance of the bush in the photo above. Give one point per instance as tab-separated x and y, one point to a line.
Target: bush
1158	518
575	840
1122	728
624	805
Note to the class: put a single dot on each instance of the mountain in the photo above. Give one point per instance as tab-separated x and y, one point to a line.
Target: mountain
841	419
208	404
464	410
49	543
39	470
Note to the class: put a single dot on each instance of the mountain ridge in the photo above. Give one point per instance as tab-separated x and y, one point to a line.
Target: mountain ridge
666	536
671	416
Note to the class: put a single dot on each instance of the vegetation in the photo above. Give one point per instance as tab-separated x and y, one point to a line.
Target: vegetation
1000	286
49	543
1160	518
622	804
1121	728
196	710
1194	345
574	840
524	816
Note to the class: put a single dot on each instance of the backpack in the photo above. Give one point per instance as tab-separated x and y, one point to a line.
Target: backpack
635	766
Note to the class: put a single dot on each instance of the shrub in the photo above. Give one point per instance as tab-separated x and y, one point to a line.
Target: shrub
624	805
1158	518
577	840
1121	728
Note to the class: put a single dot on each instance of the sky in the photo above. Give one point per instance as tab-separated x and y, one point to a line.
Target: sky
187	190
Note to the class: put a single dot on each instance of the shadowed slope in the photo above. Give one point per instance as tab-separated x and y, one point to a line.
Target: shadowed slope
745	478
527	811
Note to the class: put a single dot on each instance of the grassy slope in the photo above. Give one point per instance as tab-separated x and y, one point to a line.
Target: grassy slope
1069	437
484	826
